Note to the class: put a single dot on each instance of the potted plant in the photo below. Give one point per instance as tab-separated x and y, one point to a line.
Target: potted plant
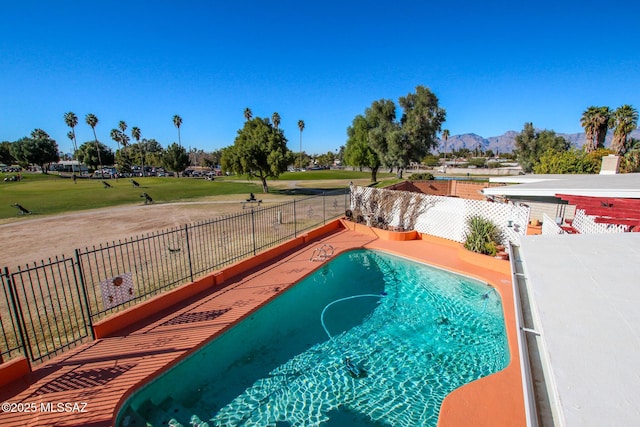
483	236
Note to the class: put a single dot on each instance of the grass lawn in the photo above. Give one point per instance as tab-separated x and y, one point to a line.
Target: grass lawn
50	194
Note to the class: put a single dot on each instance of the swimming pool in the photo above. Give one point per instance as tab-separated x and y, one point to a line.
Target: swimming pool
413	334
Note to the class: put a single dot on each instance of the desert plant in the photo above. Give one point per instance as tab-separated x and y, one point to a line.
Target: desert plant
482	236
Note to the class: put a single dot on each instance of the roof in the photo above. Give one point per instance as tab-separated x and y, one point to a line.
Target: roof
619	185
585	289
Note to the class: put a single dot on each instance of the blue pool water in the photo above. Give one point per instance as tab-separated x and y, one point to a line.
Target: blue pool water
414	335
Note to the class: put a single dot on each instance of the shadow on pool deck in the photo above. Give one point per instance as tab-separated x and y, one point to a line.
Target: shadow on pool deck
99	376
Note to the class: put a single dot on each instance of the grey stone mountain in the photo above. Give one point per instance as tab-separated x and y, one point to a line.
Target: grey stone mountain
506	142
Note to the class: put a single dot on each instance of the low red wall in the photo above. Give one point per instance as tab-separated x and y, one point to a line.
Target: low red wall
141	311
13	370
145	309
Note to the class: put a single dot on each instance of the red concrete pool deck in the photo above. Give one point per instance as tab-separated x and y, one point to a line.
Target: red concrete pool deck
95	379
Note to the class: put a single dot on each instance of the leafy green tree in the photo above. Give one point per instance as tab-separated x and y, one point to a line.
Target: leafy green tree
358	152
384	131
571	162
625	120
39	149
177	122
326	160
259	150
92	154
397	143
211	160
531	145
421	120
175	158
430	160
5	153
630	162
145	152
124	161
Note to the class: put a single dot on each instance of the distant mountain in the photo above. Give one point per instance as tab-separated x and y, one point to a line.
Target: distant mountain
506	142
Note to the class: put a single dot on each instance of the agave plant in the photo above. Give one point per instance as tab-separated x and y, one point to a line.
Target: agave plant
482	236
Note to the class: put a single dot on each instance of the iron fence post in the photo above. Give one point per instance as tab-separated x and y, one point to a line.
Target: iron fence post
295	220
17	310
85	296
186	233
324	213
253	231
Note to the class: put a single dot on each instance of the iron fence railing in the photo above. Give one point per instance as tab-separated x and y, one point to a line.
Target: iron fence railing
50	306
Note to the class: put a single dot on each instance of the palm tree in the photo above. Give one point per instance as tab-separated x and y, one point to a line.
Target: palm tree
116	135
445	136
72	121
135	133
275	118
122	125
247	114
301	127
177	122
604	120
92	121
590	124
625	120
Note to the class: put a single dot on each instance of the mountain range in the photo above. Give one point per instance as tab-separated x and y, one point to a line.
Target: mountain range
506	142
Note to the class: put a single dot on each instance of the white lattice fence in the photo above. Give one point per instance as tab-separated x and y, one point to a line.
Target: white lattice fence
440	216
549	226
586	224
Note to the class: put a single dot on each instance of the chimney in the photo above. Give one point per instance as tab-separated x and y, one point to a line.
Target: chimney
610	165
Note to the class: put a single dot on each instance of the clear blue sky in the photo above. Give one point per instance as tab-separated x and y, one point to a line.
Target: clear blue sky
494	65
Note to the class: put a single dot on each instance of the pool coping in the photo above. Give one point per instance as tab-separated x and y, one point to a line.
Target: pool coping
128	355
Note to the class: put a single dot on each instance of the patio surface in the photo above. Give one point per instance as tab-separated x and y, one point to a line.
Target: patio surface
97	377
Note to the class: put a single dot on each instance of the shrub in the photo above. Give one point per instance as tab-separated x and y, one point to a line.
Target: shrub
482	236
426	176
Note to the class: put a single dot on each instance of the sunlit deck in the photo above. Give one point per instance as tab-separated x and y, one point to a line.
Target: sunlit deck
104	373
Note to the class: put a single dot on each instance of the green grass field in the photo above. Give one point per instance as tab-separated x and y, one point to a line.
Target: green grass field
46	195
50	194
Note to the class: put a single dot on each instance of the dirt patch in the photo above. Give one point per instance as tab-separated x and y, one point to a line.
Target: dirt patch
33	239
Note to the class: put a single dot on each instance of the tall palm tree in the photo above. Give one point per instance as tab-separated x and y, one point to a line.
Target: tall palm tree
590	124
445	136
301	127
116	135
177	122
92	121
275	118
604	120
122	125
248	114
135	133
625	120
72	121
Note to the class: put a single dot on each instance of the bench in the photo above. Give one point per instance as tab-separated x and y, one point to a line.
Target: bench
244	204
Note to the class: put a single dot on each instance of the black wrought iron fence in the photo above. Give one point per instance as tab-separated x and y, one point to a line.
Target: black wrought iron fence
50	306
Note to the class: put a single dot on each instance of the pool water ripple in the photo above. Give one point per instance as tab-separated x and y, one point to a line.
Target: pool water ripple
431	333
